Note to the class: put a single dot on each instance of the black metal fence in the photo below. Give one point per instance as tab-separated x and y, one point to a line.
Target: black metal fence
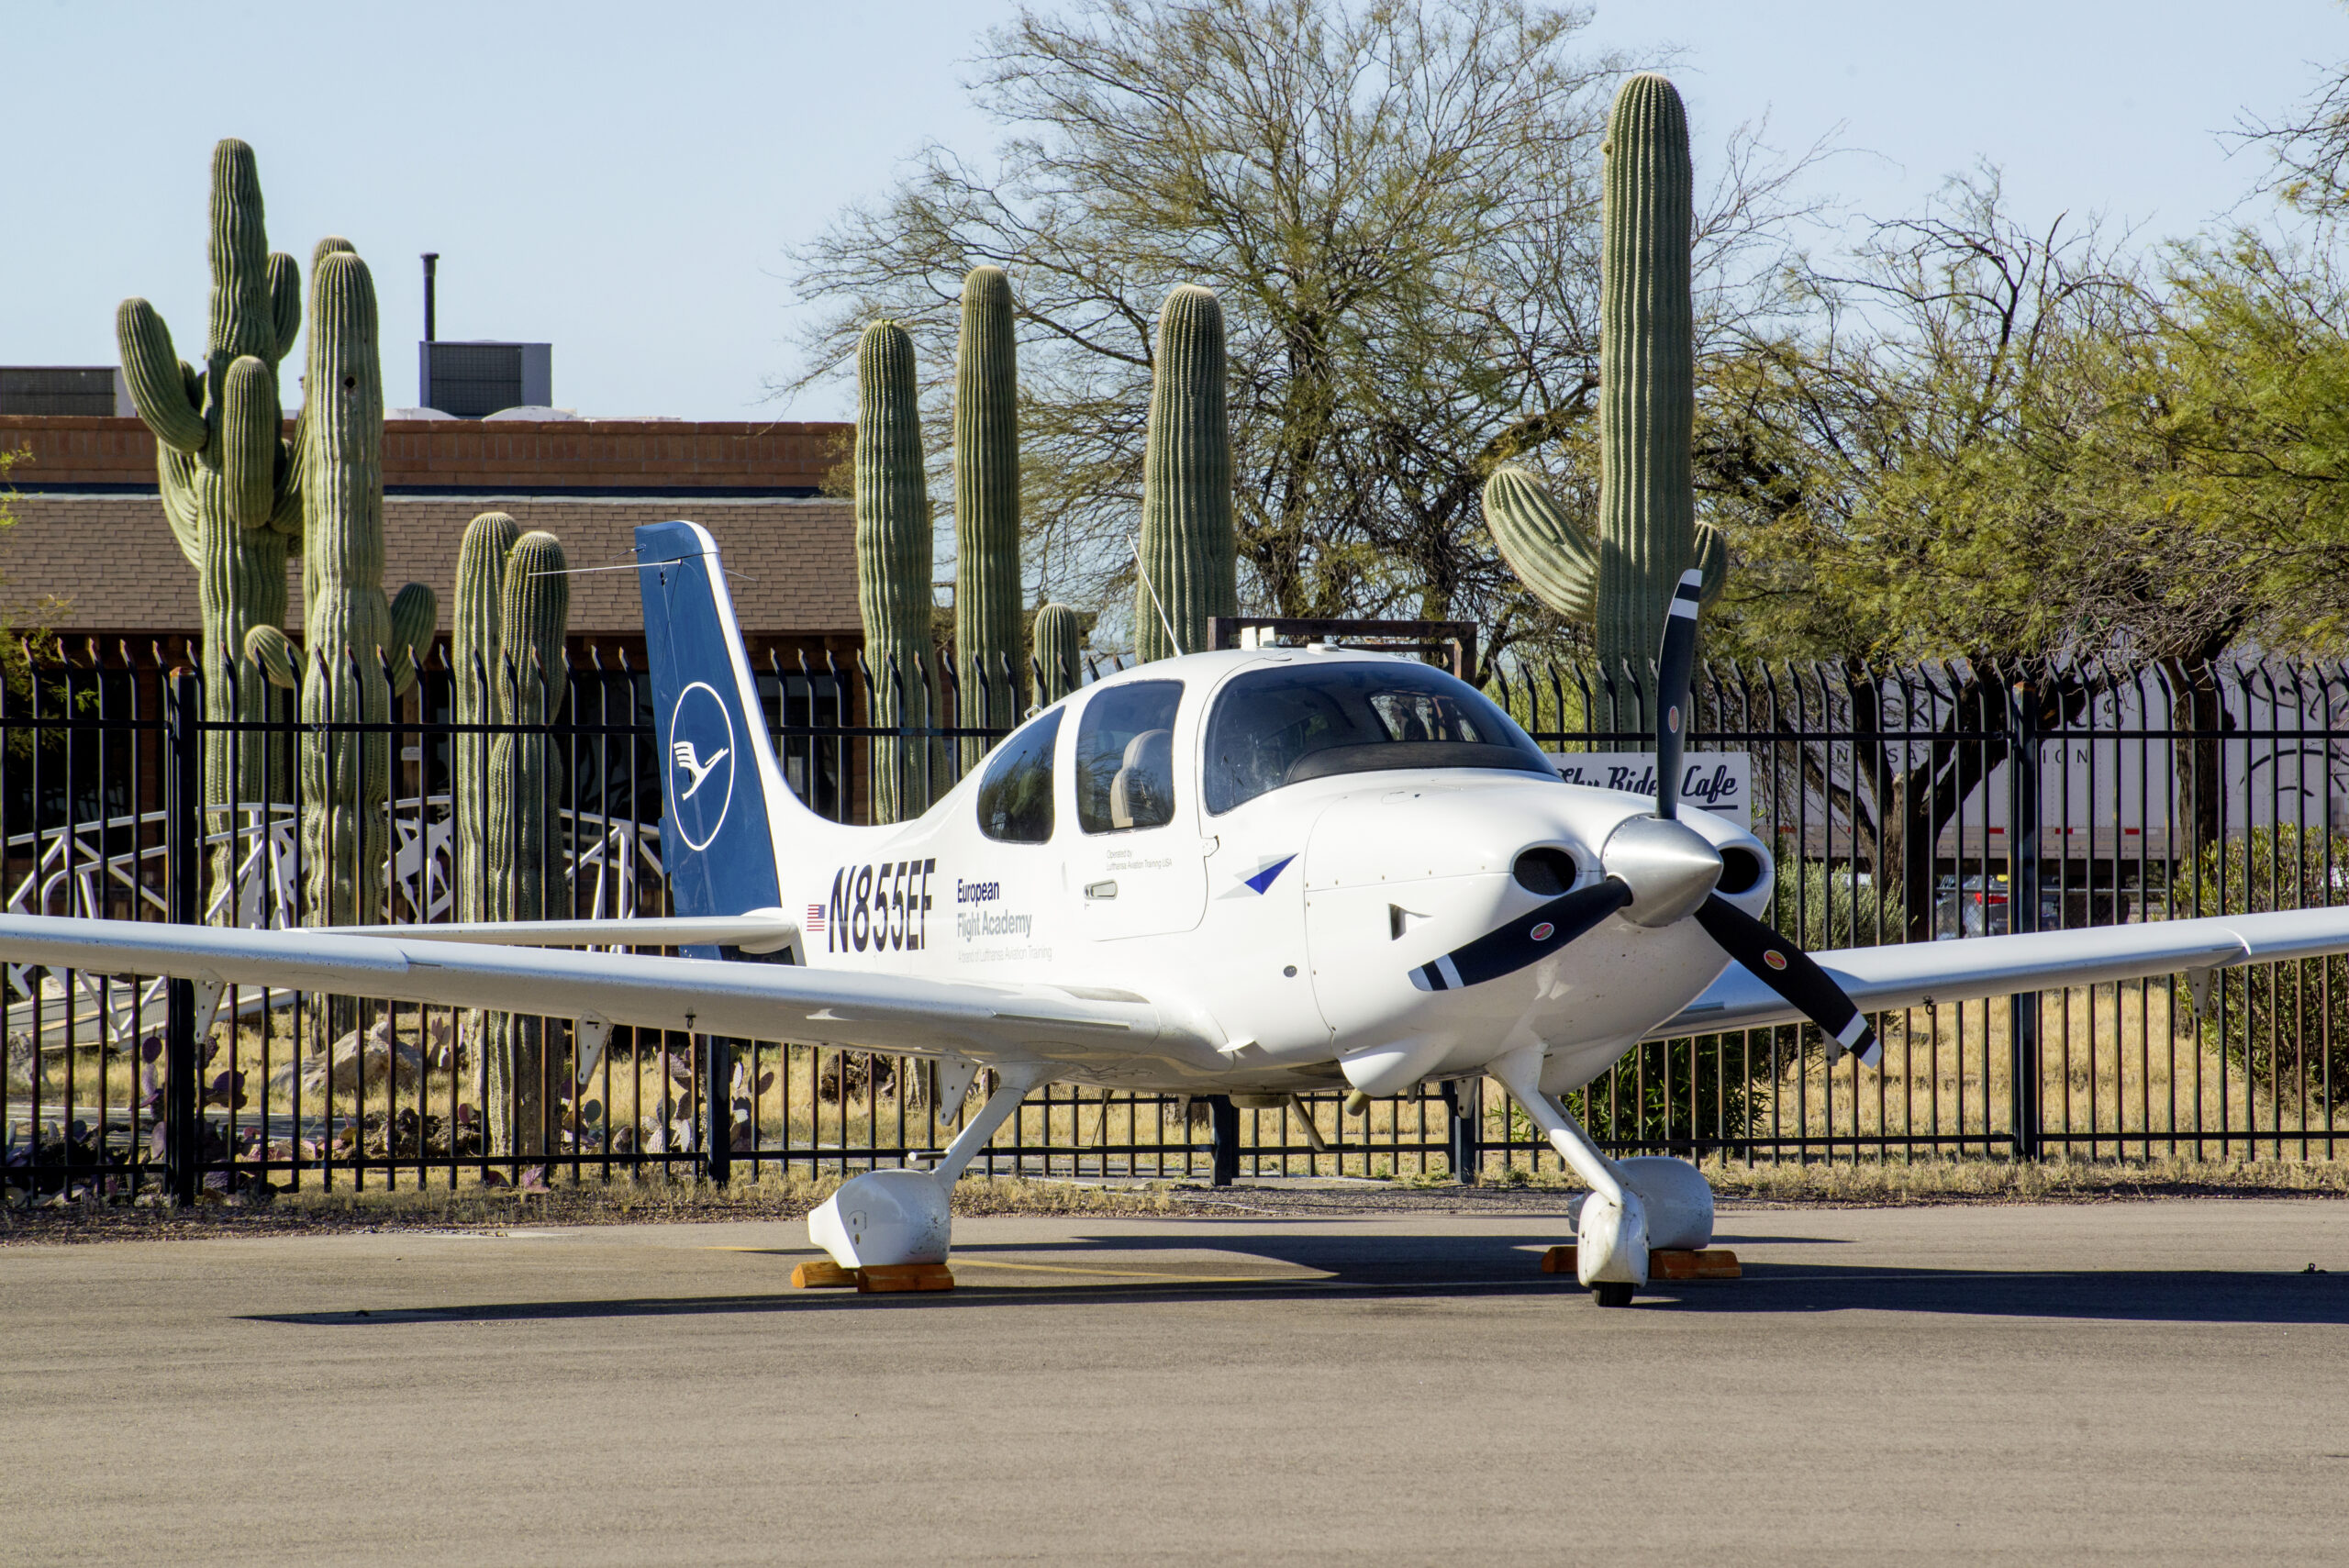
1916	805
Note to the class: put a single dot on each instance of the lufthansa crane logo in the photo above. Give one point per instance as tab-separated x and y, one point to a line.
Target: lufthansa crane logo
702	750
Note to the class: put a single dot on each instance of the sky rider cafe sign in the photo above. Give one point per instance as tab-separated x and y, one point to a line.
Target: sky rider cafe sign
1718	781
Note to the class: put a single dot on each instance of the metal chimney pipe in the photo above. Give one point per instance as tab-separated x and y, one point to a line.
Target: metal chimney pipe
431	263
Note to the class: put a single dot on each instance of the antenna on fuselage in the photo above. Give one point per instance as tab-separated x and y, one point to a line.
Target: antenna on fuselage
1156	602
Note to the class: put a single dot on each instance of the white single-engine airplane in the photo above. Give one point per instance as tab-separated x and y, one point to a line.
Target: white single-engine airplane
1250	872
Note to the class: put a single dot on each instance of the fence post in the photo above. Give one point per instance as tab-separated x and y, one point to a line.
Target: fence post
2022	912
184	863
1223	1141
1465	1099
717	1058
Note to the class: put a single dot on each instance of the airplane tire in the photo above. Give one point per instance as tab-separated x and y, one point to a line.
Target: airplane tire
1611	1293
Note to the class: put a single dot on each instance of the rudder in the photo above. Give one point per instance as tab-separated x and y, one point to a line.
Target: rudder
723	795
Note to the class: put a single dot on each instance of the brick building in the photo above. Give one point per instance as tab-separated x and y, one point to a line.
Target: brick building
90	525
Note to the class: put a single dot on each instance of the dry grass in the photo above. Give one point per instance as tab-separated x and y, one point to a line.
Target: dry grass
2120	1074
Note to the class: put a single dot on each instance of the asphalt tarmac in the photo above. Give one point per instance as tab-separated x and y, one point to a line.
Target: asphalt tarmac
2141	1382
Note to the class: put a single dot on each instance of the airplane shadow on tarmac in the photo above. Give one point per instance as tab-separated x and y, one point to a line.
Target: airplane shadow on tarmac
1432	1268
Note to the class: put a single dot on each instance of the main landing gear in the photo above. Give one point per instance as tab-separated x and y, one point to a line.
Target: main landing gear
897	1220
1636	1206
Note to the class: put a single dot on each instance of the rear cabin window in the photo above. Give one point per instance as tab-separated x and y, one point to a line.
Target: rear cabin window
1125	757
1016	791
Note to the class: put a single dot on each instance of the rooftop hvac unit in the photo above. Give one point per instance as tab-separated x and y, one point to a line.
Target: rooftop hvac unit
474	380
89	390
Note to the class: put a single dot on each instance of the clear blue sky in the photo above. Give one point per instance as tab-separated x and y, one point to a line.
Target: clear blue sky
622	180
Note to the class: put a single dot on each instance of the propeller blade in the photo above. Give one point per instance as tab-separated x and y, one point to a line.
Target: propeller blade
1673	662
1508	948
1787	969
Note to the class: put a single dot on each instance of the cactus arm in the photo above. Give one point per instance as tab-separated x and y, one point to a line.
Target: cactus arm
416	614
156	377
249	444
244	318
284	302
280	661
285	515
1712	560
533	618
175	473
331	245
1188	550
1057	635
1541	544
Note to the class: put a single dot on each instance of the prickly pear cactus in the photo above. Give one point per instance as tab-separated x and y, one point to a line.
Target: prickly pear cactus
231	485
986	511
893	565
355	662
1189	556
1058	636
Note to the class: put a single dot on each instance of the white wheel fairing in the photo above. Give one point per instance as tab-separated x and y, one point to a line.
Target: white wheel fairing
885	1218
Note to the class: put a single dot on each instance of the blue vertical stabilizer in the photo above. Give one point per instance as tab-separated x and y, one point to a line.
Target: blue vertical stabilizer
723	795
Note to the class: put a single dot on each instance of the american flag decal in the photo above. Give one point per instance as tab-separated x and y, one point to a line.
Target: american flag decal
815	918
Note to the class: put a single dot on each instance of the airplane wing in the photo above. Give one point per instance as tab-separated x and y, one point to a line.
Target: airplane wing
1884	979
756	1001
760	932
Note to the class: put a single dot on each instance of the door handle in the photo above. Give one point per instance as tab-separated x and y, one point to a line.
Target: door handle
1100	890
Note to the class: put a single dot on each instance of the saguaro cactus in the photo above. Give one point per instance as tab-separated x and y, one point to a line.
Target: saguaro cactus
1058	635
512	614
232	486
525	784
1647	402
1647	370
893	565
986	511
472	658
1190	558
361	648
526	771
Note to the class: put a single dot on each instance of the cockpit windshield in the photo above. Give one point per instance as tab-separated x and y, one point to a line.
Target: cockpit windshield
1293	722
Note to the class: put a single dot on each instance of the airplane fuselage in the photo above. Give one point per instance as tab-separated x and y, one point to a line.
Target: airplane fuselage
1293	917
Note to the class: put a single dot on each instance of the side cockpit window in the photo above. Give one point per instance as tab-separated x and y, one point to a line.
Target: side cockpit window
1125	757
1016	791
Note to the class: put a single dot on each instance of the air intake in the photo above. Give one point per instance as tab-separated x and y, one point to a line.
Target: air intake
475	380
88	391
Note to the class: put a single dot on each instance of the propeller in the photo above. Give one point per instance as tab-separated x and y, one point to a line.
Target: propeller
1790	972
1508	948
1659	875
1673	664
